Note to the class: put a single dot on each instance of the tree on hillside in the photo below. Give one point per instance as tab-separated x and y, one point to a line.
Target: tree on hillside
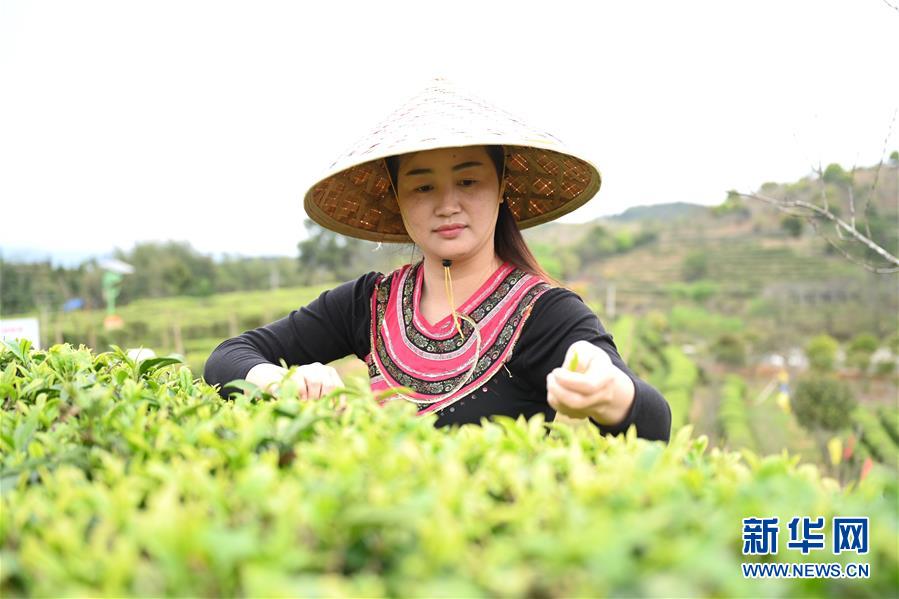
695	266
30	286
863	240
733	204
164	269
834	173
791	225
599	242
236	273
327	253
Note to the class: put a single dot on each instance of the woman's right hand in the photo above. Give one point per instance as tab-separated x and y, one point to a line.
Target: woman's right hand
313	380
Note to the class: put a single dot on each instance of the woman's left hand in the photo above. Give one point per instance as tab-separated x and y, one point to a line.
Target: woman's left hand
595	388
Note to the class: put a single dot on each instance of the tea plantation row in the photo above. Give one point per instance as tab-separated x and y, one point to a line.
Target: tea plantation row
124	478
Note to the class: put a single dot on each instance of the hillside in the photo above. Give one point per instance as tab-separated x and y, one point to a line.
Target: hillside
743	259
737	258
674	211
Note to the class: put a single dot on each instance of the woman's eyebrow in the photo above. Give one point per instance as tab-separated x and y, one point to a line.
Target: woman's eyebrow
470	163
458	167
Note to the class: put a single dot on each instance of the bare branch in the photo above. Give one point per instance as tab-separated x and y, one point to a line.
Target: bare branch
840	225
886	140
865	265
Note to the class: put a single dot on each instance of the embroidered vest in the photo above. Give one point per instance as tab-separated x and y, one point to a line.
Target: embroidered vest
435	363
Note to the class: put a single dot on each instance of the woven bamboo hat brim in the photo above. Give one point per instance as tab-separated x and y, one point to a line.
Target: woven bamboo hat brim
544	179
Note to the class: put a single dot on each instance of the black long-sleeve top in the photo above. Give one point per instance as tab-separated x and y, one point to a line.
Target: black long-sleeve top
337	324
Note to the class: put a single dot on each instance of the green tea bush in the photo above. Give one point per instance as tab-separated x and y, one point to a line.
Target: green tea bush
124	478
876	437
663	364
863	342
823	403
884	368
732	415
641	343
860	350
150	322
822	352
729	349
889	419
681	376
697	291
696	320
892	343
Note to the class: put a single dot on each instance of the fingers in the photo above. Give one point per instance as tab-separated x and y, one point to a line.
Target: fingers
579	382
312	374
559	396
330	380
334	381
316	380
300	381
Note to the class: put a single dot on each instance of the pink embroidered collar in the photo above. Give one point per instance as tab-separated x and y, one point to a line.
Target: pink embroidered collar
433	360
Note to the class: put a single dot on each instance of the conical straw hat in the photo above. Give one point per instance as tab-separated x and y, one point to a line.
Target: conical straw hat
544	179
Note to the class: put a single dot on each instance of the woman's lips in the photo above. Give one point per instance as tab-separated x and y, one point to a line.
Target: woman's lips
450	232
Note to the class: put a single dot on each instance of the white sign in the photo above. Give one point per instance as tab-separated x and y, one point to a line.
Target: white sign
21	328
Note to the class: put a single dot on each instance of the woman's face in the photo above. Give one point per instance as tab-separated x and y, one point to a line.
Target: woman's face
449	200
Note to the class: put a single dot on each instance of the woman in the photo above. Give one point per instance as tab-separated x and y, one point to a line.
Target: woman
459	178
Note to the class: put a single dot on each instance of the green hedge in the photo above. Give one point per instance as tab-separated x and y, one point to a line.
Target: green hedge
677	387
876	437
137	479
732	414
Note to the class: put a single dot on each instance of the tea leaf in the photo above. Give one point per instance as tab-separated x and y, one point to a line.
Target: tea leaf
152	364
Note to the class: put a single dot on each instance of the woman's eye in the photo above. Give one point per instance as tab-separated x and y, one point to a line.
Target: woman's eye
468	182
423	188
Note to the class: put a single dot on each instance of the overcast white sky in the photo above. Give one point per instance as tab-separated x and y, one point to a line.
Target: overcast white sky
206	121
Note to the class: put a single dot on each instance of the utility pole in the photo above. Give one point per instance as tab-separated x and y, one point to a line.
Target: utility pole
610	301
274	277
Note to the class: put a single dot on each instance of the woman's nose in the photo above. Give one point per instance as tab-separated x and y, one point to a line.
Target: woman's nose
448	201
